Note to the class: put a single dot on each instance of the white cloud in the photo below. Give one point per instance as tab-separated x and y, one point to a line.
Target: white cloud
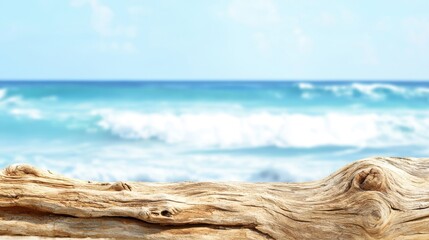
335	18
137	11
103	22
262	42
254	13
327	19
303	41
369	51
348	17
78	3
102	17
417	31
384	24
112	46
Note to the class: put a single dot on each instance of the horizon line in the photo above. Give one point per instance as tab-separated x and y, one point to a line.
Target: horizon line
213	80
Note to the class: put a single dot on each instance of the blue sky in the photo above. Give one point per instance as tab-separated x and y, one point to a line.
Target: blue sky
214	39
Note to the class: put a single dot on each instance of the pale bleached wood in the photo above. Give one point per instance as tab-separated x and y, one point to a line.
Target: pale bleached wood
375	198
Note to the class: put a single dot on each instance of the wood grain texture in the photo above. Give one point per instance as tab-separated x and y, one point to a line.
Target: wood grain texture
375	198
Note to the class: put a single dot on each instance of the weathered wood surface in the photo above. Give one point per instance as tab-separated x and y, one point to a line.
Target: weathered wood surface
377	198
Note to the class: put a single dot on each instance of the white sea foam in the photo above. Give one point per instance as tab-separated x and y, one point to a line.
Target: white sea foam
224	130
305	86
13	100
3	93
422	91
371	90
27	112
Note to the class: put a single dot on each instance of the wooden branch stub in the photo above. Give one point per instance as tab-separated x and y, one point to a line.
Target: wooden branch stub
371	179
375	198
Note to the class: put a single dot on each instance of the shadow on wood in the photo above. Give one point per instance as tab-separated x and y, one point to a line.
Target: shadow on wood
375	198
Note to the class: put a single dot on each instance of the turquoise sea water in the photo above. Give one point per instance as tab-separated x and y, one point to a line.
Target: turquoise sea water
180	131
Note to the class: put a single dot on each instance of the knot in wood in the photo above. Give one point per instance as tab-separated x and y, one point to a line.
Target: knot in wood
23	170
371	179
375	215
120	186
165	212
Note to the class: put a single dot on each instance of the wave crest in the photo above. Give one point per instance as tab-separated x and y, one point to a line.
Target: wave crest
250	130
3	93
31	113
372	90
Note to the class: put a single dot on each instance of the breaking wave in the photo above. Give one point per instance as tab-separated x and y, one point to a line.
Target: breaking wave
227	130
371	90
2	93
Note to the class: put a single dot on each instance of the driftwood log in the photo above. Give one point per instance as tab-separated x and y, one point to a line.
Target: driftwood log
376	198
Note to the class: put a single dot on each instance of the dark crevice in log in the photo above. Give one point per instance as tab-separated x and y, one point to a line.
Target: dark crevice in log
26	214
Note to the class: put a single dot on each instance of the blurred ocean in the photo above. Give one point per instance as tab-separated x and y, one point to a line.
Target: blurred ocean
222	131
